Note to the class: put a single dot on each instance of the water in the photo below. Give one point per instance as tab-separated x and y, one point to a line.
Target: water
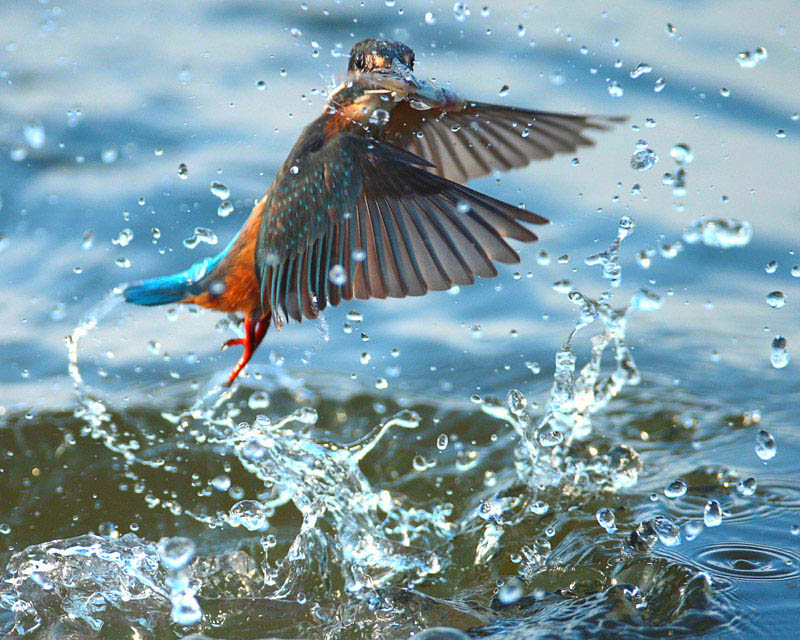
539	493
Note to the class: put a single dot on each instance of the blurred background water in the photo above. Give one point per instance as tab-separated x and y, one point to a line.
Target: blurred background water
103	102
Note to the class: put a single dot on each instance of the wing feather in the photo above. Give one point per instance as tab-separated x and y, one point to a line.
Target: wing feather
481	138
377	212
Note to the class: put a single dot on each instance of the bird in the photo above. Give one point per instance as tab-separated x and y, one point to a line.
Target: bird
371	201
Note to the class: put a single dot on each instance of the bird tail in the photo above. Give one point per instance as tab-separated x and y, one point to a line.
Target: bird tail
179	286
156	291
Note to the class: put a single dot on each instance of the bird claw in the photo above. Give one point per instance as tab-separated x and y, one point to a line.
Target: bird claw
254	333
233	342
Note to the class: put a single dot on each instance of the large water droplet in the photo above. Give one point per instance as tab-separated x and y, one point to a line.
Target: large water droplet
220	190
776	299
461	11
337	275
681	154
667	531
201	234
176	552
186	610
747	487
779	356
724	233
511	591
712	514
606	519
675	489
766	448
250	514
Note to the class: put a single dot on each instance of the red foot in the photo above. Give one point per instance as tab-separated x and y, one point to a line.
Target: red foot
254	333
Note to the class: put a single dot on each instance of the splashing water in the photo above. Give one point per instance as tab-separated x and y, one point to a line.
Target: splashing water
353	538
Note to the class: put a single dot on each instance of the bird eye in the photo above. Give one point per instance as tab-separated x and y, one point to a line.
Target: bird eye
361	61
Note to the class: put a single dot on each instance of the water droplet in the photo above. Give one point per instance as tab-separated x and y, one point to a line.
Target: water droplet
201	234
667	531
776	299
615	90
670	251
250	514
725	92
712	514
540	508
379	117
183	171
88	240
641	69
675	489
124	238
511	591
562	286
461	11
681	154
557	78
441	442
644	159
186	610
18	154
724	233
34	134
606	519
795	271
490	510
221	482
261	85
220	190
503	90
747	487
542	258
771	266
337	275
659	85
109	155
176	552
670	30
517	402
551	438
296	33
766	448
779	356
123	263
430	18
225	209
258	400
381	383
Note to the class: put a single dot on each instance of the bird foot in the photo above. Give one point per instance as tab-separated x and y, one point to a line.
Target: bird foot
254	332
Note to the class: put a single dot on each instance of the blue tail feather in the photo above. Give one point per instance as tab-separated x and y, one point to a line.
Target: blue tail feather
179	286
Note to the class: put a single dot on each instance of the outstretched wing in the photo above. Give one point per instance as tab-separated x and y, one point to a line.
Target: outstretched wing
482	138
357	217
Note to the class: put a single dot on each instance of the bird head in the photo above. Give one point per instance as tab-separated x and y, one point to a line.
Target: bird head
381	56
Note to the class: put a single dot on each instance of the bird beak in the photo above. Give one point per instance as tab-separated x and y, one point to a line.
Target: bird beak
404	72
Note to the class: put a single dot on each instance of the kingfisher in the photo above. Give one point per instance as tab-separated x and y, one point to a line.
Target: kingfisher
371	201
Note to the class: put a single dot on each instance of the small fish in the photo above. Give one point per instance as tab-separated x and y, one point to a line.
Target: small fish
371	201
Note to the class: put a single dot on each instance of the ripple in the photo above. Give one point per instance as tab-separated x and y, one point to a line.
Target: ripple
751	562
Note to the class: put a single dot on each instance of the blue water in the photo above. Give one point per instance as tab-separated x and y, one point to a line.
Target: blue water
124	93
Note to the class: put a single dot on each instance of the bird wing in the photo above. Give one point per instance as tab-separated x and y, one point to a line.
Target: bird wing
372	214
479	138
